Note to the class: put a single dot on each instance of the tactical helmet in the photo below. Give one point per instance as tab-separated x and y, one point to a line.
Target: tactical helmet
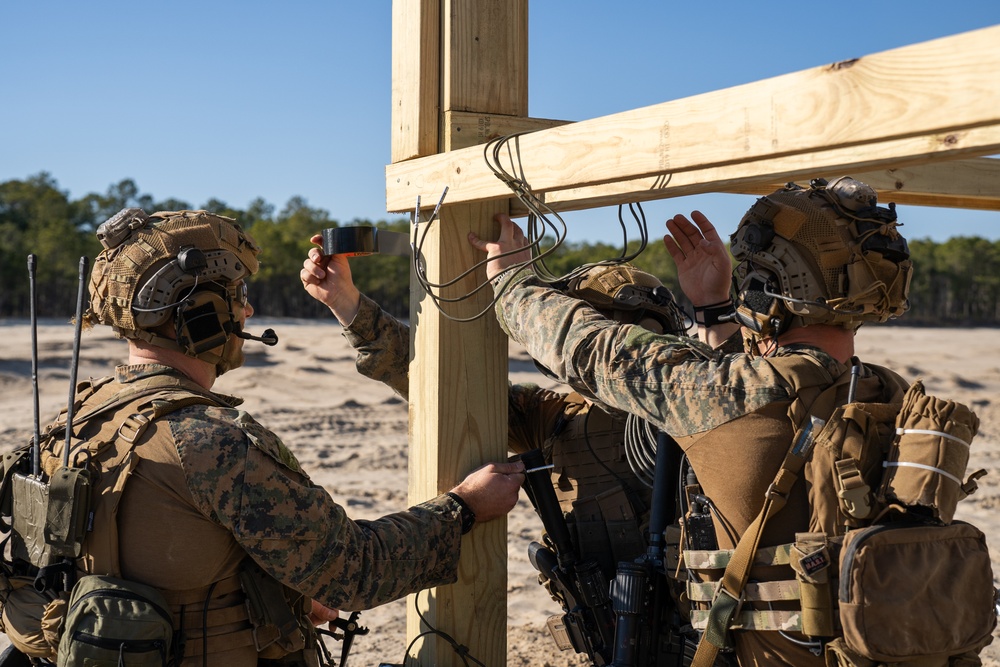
180	268
625	294
826	254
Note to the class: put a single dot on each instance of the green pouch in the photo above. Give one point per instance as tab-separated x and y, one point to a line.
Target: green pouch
116	623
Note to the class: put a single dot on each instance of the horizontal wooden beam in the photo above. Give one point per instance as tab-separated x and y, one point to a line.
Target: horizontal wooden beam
917	104
972	184
862	162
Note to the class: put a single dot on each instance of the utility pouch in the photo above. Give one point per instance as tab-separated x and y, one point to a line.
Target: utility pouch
276	629
112	622
67	512
29	506
939	577
843	471
811	559
929	455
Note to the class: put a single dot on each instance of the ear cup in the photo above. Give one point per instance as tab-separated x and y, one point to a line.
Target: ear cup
204	322
757	309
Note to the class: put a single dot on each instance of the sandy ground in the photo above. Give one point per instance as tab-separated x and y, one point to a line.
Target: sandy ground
350	435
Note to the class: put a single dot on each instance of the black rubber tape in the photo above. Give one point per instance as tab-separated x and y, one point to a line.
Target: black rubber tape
353	241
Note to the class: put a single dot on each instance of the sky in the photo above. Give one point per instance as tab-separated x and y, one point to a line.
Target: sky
239	99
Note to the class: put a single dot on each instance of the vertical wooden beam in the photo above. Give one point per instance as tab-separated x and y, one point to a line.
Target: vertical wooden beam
458	372
416	78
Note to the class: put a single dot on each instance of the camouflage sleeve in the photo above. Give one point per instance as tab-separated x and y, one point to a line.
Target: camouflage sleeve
243	478
383	345
678	384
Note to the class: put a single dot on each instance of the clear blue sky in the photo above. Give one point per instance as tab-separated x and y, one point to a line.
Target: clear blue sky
242	99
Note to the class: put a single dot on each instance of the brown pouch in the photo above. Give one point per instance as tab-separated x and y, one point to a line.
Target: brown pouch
929	455
910	592
23	610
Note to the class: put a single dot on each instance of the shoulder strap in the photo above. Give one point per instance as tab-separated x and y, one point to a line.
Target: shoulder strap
157	385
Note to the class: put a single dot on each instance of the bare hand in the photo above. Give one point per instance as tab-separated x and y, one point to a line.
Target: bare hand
704	268
328	280
318	614
491	491
511	239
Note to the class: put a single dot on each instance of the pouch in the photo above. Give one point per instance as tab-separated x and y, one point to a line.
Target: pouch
114	622
929	455
913	591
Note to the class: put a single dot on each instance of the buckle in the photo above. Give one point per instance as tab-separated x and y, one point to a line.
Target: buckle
725	607
773	492
133	427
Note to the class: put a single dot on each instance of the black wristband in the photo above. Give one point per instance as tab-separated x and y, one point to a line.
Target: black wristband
468	516
715	313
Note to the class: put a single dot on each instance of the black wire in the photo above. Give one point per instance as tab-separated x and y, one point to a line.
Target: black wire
541	218
460	649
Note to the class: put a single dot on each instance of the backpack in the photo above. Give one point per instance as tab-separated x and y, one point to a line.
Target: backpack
883	482
45	519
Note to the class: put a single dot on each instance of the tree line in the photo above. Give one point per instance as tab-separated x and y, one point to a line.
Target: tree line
955	282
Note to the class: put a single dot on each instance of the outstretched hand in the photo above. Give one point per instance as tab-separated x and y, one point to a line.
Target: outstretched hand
511	239
327	278
704	268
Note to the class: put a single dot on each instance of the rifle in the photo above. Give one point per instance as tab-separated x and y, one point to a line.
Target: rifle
587	624
647	629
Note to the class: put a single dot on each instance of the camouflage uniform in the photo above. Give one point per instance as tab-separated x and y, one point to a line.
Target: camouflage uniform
211	486
606	505
727	411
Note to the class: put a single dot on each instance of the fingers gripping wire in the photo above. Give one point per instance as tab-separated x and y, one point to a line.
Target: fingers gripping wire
503	157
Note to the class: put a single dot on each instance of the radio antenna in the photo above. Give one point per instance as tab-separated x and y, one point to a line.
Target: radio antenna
78	323
36	463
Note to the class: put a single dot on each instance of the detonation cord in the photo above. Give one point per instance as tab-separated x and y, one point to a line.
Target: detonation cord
460	649
503	157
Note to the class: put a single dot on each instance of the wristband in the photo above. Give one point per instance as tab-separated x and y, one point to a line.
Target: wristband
468	516
715	313
503	275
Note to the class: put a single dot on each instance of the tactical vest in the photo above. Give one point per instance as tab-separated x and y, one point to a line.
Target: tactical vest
606	508
236	620
857	527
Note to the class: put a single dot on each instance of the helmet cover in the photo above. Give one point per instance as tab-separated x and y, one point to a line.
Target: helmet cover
155	268
626	294
826	254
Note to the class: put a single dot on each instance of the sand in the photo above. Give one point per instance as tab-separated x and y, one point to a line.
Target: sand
350	435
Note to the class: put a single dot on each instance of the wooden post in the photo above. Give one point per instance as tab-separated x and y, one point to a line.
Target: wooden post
458	372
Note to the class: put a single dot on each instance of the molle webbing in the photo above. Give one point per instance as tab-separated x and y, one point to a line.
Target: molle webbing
589	470
227	619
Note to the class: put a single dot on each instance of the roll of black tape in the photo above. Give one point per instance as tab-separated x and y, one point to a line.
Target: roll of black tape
352	241
349	241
